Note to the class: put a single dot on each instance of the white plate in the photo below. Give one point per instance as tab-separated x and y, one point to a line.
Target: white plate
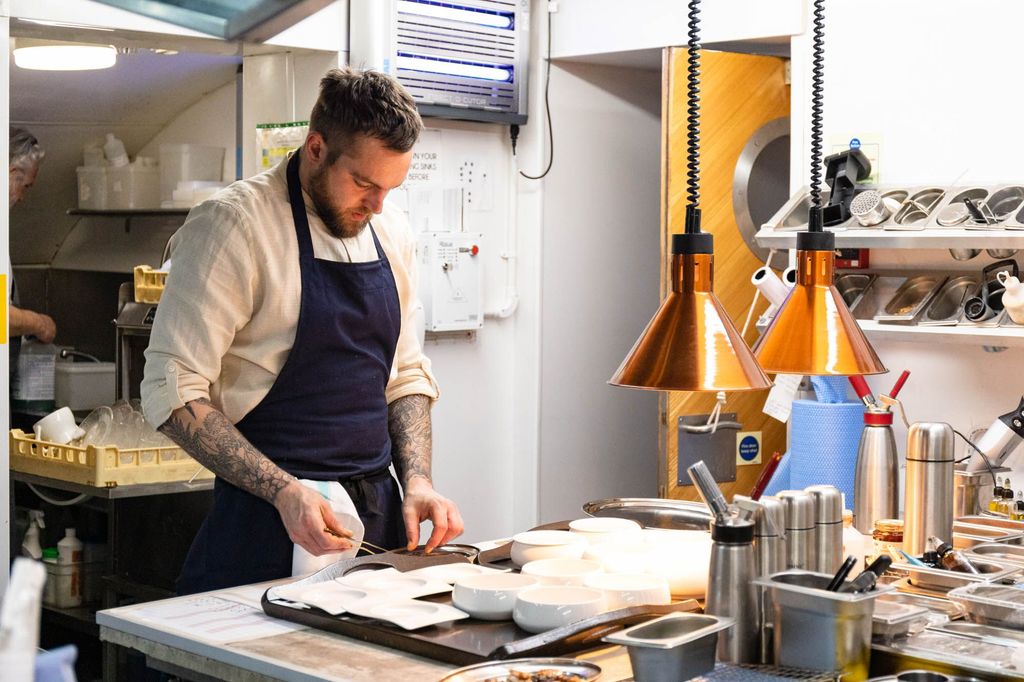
409	613
393	584
452	573
330	596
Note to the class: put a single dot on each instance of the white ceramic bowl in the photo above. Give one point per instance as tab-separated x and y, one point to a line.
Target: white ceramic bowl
632	556
539	609
562	571
682	557
604	529
546	544
490	596
623	591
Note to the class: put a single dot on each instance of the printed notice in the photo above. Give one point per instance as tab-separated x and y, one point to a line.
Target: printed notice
779	404
215	619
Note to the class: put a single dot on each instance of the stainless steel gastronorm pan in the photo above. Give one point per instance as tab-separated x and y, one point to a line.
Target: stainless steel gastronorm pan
911	299
947	307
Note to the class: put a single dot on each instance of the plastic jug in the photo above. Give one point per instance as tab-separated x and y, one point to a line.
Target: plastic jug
34	380
1013	296
114	150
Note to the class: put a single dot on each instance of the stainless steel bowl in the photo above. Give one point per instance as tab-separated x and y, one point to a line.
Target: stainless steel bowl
964	254
1000	254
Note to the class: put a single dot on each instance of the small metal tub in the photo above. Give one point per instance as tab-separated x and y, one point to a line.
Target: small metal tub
852	285
947	307
911	299
943	580
679	646
998	551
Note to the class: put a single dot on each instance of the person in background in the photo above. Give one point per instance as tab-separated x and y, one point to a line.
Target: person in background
25	155
284	348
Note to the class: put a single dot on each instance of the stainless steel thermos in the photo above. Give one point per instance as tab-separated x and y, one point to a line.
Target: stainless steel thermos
800	531
928	497
828	528
875	492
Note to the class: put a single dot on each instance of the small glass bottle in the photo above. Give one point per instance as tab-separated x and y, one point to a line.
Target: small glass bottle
1018	507
997	495
888	534
1007	501
952	560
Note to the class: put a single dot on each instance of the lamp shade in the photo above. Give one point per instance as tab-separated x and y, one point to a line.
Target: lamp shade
691	344
814	332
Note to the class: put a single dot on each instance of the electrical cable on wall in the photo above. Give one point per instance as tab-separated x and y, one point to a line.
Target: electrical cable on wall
514	128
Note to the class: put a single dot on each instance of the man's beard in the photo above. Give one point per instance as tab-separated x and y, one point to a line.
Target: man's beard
336	222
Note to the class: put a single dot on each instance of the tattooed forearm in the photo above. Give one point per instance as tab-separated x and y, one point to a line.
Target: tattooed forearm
206	434
409	425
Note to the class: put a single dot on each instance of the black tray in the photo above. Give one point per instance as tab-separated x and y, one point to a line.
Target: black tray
468	641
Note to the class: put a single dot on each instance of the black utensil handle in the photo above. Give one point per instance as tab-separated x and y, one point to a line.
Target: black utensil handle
588	632
840	577
1010	263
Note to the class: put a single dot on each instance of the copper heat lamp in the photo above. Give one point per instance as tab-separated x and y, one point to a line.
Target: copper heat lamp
814	332
691	344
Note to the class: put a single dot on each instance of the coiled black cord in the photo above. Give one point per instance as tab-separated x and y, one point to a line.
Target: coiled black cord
817	105
693	107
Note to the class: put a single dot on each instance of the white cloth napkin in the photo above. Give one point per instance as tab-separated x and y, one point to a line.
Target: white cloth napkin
345	511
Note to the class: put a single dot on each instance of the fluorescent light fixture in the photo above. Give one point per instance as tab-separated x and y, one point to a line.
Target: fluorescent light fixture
453	13
491	73
65	57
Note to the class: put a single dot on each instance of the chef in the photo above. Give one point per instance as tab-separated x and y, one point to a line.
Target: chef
25	157
284	347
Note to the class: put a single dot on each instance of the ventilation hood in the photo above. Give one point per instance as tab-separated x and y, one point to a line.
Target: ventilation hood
247	20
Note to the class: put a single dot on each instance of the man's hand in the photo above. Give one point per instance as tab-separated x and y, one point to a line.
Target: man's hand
308	517
45	329
422	502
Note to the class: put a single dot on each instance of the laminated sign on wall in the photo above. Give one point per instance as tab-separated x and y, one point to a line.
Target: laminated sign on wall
275	140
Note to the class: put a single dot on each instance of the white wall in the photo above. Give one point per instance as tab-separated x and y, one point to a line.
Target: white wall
589	27
600	241
895	88
210	121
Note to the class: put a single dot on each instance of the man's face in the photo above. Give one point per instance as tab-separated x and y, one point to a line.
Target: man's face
21	178
350	191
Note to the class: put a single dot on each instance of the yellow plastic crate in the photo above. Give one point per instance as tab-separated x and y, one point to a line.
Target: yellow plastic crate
149	284
102	466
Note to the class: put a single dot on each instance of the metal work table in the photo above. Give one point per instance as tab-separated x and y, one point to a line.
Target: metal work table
117	492
304	655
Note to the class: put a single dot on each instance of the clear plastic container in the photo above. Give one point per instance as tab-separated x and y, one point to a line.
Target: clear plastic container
999	605
184	162
92	187
892	619
133	186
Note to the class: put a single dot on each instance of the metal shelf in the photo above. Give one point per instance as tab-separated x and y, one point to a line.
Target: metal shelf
118	491
1002	337
78	618
942	238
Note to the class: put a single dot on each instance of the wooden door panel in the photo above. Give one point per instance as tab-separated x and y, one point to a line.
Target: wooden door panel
739	94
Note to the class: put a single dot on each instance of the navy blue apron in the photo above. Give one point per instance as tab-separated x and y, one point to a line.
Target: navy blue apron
325	418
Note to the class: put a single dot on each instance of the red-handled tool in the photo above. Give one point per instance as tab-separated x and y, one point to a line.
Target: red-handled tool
899	383
766	475
863	391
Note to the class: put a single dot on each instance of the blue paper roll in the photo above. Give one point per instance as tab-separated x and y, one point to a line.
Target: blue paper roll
780	479
823	442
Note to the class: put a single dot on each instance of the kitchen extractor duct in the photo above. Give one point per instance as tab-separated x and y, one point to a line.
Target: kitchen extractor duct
463	60
244	20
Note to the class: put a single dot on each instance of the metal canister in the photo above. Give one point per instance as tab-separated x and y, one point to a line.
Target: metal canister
770	551
876	492
928	498
731	591
800	531
828	527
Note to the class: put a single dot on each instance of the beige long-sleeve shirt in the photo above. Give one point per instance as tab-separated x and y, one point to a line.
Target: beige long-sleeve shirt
228	315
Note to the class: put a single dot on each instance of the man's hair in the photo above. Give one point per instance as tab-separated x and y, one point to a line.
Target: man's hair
24	148
353	103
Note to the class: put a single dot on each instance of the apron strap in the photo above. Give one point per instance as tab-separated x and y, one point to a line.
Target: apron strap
298	204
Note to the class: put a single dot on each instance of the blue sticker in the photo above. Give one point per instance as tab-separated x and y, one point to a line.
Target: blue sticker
749	448
855	143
